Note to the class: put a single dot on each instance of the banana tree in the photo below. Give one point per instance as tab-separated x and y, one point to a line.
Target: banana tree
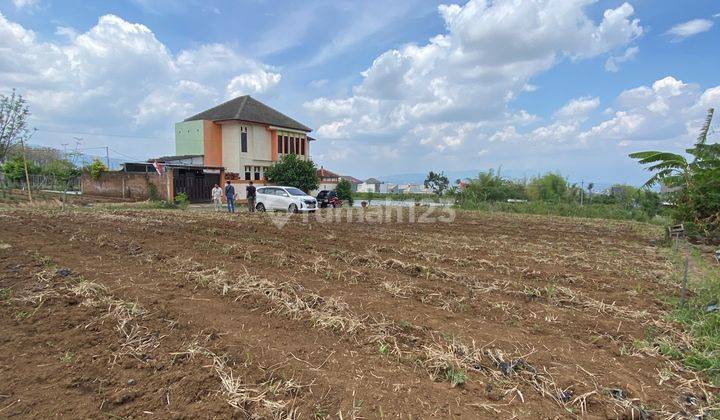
698	179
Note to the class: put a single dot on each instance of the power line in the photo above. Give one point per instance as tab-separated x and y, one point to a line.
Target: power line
104	134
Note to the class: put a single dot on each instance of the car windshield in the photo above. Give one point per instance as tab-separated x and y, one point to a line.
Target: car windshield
295	191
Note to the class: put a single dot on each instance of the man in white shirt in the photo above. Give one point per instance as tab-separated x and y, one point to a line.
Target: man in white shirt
217	197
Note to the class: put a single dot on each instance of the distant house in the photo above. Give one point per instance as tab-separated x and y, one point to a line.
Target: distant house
244	136
372	185
413	188
328	179
354	182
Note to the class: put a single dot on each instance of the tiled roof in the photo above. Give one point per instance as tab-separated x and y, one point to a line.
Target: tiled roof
247	108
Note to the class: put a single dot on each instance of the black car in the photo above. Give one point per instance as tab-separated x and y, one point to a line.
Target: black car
326	197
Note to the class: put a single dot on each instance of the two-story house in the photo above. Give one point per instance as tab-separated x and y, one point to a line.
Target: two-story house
244	136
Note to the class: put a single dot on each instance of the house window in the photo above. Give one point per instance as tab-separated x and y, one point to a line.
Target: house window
302	147
279	145
292	145
257	173
248	173
243	140
286	148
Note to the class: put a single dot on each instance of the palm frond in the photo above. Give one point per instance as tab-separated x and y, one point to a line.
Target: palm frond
702	137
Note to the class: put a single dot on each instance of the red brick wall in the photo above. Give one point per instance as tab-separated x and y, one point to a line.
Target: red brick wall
130	185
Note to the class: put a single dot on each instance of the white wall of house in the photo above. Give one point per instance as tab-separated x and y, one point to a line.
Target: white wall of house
231	146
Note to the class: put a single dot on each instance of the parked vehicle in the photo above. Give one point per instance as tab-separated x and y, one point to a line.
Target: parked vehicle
281	198
328	198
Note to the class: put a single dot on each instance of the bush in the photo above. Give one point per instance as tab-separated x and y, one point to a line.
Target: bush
344	191
95	169
549	187
14	169
490	186
182	200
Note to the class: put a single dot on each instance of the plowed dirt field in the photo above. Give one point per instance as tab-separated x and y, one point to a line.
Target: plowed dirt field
159	313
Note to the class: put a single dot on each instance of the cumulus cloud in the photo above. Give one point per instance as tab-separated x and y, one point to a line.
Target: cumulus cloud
613	62
469	74
578	109
118	76
690	28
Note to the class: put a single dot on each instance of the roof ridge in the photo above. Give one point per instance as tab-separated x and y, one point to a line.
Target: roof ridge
242	105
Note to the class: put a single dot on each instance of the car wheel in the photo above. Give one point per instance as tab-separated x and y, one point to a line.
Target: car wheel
293	208
260	207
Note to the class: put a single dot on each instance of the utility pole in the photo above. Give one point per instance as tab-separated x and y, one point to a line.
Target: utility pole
582	191
27	175
107	157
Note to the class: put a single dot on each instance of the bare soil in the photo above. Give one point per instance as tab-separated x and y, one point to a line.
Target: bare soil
132	313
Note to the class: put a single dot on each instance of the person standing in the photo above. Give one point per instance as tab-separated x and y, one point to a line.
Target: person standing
230	196
250	193
216	194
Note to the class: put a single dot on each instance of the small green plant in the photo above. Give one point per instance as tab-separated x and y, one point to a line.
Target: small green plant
5	294
23	315
455	376
182	200
46	261
67	358
384	348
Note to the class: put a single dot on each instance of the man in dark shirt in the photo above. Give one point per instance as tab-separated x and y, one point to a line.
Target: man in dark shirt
230	196
250	194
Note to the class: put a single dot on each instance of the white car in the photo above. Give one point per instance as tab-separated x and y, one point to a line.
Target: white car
288	199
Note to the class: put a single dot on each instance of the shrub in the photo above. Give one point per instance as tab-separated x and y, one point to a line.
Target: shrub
14	169
182	200
95	169
549	187
344	191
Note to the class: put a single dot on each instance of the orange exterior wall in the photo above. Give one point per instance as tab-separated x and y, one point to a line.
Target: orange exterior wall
273	145
212	144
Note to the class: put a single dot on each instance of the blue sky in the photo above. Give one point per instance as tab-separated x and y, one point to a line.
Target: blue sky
389	87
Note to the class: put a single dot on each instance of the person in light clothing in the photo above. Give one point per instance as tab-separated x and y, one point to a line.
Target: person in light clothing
216	194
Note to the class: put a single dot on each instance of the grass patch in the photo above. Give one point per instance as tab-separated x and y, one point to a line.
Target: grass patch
591	210
703	355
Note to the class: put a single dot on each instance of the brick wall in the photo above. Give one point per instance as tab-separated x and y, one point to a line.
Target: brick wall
135	186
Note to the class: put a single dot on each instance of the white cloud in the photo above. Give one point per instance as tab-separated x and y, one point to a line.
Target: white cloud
613	62
25	3
578	109
690	28
445	94
668	110
118	76
258	82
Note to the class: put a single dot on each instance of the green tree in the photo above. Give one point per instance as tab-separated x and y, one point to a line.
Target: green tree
490	186
294	172
549	187
697	181
14	168
96	168
14	129
62	169
344	190
437	182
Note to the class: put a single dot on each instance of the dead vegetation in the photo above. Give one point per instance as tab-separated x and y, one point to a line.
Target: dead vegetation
511	316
